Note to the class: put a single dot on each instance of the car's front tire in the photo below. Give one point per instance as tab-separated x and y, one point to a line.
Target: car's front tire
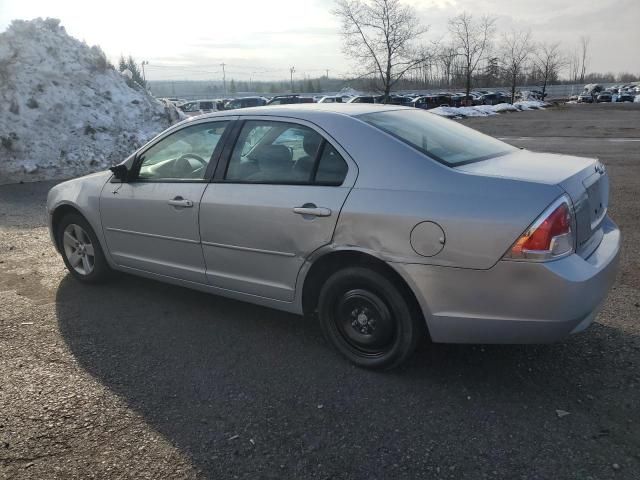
368	318
81	249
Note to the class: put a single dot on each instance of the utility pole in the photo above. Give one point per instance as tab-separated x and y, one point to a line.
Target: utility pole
224	79
291	70
144	77
327	74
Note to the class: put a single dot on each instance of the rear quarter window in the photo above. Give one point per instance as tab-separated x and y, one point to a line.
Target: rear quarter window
444	140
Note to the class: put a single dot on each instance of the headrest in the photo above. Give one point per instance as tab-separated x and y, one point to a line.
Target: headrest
274	157
311	143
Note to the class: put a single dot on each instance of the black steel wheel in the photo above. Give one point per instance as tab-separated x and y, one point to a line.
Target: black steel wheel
368	318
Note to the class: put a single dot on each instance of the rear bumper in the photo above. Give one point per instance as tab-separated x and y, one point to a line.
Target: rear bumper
516	302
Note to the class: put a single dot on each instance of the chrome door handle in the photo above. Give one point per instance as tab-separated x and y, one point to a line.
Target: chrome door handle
312	211
180	202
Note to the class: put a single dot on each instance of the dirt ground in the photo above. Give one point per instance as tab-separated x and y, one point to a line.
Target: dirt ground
142	380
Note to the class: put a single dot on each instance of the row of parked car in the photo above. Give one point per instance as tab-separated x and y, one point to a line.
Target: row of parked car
445	99
441	99
198	107
606	97
594	93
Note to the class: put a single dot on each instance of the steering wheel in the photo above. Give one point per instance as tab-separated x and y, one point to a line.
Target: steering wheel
186	156
182	166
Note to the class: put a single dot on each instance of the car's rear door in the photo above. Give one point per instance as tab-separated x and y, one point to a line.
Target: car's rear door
150	222
275	199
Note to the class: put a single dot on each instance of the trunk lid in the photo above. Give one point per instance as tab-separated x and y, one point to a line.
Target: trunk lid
584	179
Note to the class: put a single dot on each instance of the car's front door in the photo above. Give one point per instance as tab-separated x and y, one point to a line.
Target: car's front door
150	222
274	200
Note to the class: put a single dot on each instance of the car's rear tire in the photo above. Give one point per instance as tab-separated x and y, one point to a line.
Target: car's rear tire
369	319
81	250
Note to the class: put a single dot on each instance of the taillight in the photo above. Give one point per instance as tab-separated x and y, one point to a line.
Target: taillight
550	236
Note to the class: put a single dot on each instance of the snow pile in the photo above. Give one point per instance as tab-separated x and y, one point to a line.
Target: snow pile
486	110
505	107
348	92
455	112
592	88
530	105
64	110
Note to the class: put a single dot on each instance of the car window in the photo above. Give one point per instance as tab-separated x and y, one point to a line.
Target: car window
439	138
183	155
332	169
273	152
206	105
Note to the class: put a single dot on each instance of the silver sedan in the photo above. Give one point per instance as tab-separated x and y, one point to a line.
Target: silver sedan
387	224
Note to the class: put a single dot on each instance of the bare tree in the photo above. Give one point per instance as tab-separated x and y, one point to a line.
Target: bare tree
472	39
381	36
447	56
548	60
574	65
516	47
584	56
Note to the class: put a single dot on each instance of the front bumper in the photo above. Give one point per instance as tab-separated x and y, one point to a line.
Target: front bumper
52	235
516	301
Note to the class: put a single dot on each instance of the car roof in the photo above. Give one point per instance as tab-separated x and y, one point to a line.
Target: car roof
306	111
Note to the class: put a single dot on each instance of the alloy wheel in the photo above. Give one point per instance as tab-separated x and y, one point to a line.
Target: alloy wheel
78	249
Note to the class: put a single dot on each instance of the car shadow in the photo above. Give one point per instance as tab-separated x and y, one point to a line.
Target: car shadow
245	390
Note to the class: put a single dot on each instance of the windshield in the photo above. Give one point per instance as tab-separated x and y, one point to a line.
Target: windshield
442	139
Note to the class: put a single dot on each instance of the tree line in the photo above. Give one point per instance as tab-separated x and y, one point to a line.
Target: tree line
387	43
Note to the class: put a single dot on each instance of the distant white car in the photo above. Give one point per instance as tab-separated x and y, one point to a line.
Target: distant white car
363	99
176	101
198	107
331	99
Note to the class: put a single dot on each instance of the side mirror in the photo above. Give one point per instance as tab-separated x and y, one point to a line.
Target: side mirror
120	172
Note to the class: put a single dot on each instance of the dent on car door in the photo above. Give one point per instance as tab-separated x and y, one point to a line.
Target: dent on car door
150	222
276	201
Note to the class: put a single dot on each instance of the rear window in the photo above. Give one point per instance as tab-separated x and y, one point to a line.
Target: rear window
442	139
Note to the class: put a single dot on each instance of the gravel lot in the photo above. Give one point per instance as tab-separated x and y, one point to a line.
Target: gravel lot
142	380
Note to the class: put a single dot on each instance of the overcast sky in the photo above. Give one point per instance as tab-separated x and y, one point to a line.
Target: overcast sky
189	39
